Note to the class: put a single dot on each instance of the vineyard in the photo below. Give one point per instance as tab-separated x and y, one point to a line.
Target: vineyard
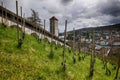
32	61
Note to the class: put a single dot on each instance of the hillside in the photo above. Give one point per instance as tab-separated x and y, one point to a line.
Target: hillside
115	27
109	27
32	61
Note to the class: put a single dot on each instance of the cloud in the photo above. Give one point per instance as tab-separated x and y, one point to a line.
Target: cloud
110	7
66	2
104	12
79	13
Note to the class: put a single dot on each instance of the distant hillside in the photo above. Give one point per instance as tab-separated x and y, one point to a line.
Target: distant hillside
102	28
110	27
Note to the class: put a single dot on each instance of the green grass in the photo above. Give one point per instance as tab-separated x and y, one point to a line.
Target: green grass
32	61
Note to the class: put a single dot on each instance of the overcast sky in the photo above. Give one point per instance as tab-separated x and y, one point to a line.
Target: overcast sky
79	13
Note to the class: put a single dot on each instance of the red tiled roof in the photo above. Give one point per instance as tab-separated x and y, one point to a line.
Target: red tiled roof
110	41
117	39
115	50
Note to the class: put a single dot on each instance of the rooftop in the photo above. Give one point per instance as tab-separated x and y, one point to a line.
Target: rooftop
53	18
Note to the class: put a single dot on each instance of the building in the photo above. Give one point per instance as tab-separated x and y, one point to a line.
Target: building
54	25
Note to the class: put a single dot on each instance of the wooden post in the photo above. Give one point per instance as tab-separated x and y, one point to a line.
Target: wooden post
74	59
39	34
64	50
84	47
2	11
44	28
74	39
118	66
36	29
51	52
17	21
21	11
21	20
6	14
65	41
24	22
21	16
44	33
23	26
69	43
23	32
117	71
79	47
92	57
35	21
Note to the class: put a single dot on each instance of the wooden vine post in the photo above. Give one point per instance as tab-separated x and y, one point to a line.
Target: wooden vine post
22	24
5	17
64	50
23	32
79	47
51	46
21	19
17	21
44	34
73	50
118	66
92	61
2	11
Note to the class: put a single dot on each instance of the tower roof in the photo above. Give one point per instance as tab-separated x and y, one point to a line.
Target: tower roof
53	18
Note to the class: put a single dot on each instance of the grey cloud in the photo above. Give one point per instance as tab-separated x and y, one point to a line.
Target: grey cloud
115	20
52	11
77	12
44	8
65	2
104	13
111	7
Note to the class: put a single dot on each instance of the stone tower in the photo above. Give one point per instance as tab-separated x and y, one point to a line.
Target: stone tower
54	25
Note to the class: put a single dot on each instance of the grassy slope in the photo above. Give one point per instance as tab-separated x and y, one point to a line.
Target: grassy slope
32	61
